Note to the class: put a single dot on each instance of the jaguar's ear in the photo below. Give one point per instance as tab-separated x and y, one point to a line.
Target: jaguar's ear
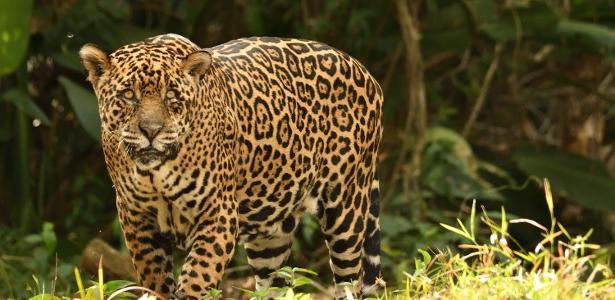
197	63
95	61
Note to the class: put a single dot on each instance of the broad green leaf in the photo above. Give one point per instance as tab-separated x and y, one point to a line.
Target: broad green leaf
394	225
85	105
15	22
305	271
45	297
114	285
586	181
598	35
445	134
450	168
301	281
23	102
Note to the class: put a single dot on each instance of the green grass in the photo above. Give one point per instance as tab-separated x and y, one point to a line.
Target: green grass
561	266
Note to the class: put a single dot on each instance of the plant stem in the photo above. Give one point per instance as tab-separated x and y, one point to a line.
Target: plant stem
480	101
23	161
416	118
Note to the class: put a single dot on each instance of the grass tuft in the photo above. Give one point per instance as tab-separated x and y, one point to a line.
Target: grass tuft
559	267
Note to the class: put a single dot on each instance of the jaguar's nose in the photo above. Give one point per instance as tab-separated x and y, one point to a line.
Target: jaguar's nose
150	129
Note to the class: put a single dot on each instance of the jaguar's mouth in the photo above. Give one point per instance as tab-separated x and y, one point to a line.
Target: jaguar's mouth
148	155
149	151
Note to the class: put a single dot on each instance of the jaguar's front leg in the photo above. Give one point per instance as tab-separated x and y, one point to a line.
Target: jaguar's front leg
212	248
150	249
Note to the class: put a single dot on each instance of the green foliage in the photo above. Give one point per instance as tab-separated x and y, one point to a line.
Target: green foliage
600	37
585	180
294	276
29	264
22	101
85	105
450	168
555	269
14	33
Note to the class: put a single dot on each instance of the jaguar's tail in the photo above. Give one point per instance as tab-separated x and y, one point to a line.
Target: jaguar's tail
371	244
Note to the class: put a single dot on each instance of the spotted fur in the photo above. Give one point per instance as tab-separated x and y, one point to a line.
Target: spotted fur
210	147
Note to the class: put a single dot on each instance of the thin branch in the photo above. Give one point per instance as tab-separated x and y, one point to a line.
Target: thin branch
391	69
55	279
480	101
416	117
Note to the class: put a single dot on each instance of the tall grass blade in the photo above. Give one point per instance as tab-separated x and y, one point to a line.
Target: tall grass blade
472	219
101	286
549	198
504	224
79	282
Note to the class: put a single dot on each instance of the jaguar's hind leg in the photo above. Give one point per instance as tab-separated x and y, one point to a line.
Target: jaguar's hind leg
344	211
343	222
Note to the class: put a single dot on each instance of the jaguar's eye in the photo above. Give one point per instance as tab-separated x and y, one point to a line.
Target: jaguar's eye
128	94
170	94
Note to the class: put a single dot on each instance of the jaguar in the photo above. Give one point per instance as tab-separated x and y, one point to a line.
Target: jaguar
208	148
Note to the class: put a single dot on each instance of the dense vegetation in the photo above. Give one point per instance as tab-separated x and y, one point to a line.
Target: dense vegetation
483	99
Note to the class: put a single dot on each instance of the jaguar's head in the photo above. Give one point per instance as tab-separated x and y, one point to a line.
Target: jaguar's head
145	93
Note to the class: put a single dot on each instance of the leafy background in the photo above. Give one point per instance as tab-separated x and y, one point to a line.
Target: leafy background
482	99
